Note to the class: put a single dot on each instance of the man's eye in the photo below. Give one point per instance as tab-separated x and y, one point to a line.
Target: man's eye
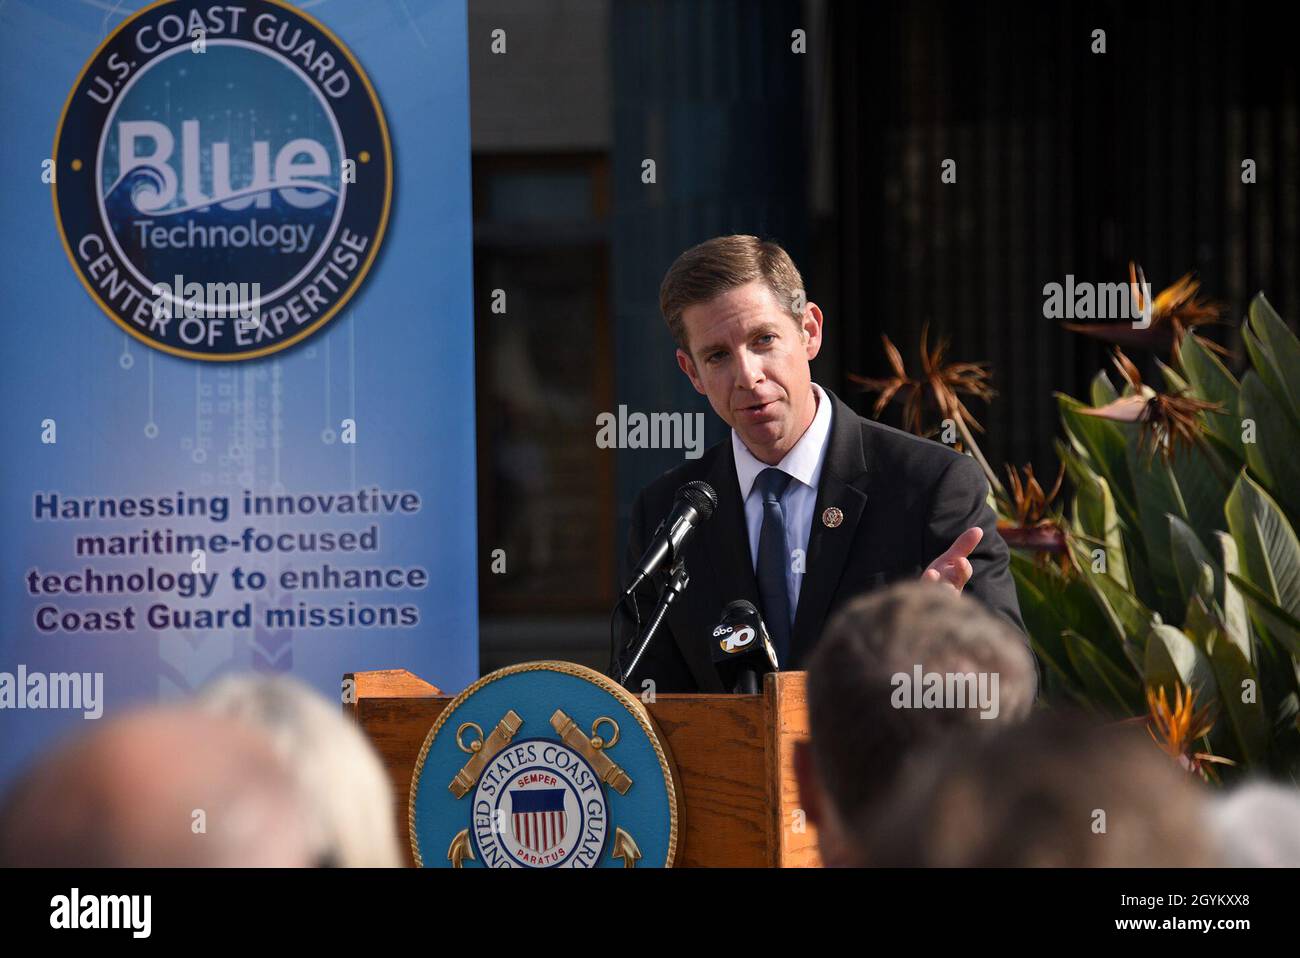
766	339
715	357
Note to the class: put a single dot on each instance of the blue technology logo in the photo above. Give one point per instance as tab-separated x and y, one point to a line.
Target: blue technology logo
223	177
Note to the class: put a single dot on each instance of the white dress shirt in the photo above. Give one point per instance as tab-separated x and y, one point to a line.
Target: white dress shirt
804	464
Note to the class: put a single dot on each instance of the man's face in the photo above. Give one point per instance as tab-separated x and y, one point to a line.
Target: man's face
750	357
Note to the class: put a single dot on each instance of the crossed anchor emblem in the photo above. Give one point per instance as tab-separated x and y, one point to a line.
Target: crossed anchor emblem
594	747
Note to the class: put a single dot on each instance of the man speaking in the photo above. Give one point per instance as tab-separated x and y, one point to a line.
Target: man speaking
815	503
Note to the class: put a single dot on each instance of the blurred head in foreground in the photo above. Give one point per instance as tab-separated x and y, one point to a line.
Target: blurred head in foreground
1055	791
166	787
351	820
1257	825
897	672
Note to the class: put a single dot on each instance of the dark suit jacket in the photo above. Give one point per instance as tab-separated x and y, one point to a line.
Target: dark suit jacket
904	500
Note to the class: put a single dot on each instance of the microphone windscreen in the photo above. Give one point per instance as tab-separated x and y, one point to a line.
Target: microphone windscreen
738	608
700	495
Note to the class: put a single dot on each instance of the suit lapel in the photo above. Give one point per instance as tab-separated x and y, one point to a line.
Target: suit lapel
842	485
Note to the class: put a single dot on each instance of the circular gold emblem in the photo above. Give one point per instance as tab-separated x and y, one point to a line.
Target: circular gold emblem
832	517
551	765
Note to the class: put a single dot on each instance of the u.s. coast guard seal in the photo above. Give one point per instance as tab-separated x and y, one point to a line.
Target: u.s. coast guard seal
544	765
223	177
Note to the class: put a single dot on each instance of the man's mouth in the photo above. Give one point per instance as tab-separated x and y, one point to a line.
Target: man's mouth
758	408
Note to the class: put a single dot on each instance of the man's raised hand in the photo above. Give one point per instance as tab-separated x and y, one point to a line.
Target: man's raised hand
953	568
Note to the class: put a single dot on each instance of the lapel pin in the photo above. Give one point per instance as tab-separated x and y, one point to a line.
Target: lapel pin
832	517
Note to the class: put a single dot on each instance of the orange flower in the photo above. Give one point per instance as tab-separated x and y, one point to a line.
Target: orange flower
1176	729
1178	306
1174	310
1028	499
1034	529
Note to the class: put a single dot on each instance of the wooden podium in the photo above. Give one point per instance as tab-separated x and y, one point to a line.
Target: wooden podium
734	754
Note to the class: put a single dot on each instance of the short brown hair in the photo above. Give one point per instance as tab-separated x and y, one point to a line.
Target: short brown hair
861	739
722	264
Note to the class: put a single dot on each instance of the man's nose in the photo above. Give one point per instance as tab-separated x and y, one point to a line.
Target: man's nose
749	371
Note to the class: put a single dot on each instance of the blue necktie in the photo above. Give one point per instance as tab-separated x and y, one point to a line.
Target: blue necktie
773	561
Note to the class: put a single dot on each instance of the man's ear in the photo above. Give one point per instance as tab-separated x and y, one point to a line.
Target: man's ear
687	365
810	789
811	327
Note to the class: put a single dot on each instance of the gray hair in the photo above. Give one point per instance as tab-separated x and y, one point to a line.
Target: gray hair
1257	825
343	782
132	793
860	737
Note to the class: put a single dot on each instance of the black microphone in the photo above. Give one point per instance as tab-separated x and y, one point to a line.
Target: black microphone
693	506
742	649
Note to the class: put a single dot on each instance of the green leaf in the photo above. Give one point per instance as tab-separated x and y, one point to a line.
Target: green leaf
1105	444
1270	584
1277	664
1231	459
1115	690
1204	371
1096	520
1274	353
1174	383
1050	603
1231	606
1234	675
1211	381
1157	496
1042	618
1139	568
1078	466
1272	457
1266	544
1172	657
1080	473
1202	487
1269	616
1102	391
1128	618
1189	555
1202	475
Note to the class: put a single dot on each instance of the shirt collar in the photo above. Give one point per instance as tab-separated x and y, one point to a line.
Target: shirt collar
803	462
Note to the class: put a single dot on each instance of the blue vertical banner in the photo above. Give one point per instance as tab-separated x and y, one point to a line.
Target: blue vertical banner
238	376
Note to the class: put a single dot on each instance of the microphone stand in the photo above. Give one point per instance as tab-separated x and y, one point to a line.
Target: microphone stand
676	584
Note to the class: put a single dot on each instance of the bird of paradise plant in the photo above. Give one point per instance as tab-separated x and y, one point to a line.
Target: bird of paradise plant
1176	727
1168	420
1027	519
1181	563
938	390
1174	311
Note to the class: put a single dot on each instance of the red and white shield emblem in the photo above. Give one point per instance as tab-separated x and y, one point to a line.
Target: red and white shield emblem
537	817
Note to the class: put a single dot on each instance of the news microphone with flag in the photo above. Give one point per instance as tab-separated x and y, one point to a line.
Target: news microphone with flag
742	649
692	507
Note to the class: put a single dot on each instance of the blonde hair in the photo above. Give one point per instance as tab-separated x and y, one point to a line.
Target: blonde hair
342	780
